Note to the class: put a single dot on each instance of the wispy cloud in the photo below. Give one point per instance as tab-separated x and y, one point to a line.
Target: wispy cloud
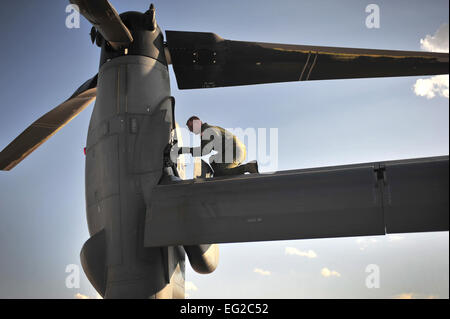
329	273
404	296
364	242
294	251
395	237
81	296
189	285
437	85
261	272
411	295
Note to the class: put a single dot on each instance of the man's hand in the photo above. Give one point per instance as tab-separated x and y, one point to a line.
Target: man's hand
177	151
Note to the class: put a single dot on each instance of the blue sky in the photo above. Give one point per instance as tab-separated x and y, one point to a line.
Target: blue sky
42	204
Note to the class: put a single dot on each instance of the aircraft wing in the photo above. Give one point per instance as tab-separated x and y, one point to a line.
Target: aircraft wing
353	200
204	60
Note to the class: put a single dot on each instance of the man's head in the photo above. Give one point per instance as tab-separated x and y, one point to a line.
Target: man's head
194	124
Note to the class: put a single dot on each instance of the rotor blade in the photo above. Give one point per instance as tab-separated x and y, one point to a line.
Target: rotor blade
352	200
202	60
106	20
46	126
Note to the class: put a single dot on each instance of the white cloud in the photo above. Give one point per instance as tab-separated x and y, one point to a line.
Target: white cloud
261	272
430	87
436	85
294	251
328	273
189	285
437	42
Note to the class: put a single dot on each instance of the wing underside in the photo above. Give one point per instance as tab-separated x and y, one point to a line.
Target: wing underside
354	200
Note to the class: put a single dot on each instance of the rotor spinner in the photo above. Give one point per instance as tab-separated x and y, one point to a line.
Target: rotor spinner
148	39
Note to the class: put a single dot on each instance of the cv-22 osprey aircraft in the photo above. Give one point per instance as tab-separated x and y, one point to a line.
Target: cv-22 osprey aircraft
143	218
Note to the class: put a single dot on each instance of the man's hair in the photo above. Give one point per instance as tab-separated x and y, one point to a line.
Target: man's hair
193	117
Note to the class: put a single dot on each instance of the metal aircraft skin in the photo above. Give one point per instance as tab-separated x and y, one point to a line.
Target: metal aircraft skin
143	219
